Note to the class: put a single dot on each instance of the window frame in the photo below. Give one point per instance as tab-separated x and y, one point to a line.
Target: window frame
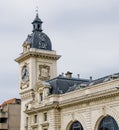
35	118
45	116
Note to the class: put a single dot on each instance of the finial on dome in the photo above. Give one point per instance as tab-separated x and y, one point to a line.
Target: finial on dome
36	10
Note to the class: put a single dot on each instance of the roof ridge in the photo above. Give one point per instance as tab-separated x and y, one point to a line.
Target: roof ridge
8	102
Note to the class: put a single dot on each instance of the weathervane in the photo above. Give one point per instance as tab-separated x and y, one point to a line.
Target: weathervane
37	7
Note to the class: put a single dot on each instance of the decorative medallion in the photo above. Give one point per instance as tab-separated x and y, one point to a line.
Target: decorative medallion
44	72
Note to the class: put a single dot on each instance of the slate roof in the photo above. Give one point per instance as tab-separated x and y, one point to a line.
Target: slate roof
104	79
37	19
61	84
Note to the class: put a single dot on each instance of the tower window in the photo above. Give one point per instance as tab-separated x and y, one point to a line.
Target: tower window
38	26
41	96
45	116
33	26
35	118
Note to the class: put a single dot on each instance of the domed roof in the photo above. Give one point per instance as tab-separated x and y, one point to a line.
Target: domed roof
38	39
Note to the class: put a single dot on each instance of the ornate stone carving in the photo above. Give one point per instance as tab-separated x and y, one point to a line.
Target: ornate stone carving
39	87
44	72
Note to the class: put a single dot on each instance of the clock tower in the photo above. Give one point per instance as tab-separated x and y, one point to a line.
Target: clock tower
37	63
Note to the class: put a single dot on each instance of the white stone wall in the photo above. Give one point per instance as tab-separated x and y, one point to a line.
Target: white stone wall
90	113
33	58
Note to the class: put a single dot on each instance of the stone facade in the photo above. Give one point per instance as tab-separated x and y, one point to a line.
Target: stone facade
86	105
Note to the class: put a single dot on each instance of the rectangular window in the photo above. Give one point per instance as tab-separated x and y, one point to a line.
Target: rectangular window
35	119
41	96
3	120
27	120
45	116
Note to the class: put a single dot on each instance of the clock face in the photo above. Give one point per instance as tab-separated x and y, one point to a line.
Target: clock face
25	74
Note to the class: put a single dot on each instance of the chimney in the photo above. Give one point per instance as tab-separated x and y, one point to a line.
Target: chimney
68	74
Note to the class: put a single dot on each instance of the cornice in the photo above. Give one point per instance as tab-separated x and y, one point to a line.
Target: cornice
26	91
87	98
112	81
109	93
26	94
53	105
42	55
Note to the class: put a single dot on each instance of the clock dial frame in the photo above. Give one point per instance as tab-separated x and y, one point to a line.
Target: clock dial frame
24	74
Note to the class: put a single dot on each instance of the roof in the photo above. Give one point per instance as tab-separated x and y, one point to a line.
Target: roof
104	79
37	19
61	84
38	39
11	101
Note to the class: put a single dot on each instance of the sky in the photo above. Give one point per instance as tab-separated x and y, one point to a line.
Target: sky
84	32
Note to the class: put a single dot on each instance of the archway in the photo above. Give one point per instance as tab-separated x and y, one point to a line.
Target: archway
108	123
76	126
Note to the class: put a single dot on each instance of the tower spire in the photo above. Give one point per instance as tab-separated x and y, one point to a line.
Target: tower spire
37	23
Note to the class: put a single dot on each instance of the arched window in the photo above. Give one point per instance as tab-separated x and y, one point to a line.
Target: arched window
38	26
76	126
108	123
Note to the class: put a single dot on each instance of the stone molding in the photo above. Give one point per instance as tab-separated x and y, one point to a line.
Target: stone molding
26	94
75	101
90	97
54	105
38	55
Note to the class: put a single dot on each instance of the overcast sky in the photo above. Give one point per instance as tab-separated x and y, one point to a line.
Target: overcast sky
84	32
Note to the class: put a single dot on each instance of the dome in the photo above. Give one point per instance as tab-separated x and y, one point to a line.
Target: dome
38	39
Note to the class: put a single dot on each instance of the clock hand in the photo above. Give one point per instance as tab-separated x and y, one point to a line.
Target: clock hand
24	73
